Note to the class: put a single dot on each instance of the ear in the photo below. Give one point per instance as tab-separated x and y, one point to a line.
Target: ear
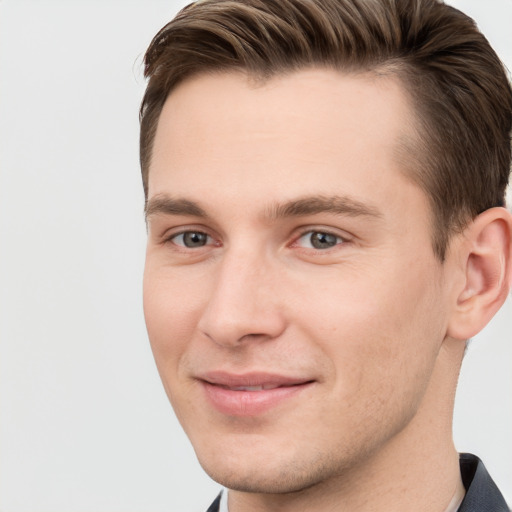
486	255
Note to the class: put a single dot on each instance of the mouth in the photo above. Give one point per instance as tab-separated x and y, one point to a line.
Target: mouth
262	387
250	394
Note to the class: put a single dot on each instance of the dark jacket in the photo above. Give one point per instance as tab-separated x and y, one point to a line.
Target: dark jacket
482	495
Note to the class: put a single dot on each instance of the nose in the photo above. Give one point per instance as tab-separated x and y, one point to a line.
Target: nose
243	303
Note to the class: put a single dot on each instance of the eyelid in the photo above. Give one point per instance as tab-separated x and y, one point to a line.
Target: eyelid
177	236
342	236
170	234
323	229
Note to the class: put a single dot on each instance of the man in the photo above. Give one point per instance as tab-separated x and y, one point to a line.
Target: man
325	188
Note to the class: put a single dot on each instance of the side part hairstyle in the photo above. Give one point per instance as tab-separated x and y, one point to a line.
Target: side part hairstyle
460	151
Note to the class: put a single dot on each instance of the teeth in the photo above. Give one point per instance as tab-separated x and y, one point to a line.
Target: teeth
253	388
247	388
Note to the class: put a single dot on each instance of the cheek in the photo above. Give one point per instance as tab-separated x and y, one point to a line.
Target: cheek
380	332
171	310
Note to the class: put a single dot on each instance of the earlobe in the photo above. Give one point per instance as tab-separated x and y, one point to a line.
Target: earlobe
487	257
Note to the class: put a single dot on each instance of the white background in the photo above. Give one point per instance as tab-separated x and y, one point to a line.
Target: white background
84	422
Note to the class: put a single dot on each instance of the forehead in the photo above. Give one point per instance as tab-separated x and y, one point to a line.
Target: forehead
307	131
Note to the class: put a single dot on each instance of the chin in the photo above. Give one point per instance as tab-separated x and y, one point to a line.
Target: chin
260	481
257	472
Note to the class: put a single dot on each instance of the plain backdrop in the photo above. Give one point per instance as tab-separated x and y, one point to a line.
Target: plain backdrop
84	422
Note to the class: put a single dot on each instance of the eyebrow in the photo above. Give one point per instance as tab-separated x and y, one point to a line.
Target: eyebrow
166	205
312	205
301	207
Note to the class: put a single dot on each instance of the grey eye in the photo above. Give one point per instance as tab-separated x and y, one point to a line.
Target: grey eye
191	239
319	240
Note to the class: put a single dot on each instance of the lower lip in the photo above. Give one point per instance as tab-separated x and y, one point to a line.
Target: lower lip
249	403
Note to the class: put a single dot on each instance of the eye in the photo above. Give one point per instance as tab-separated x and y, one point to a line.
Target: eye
191	239
319	240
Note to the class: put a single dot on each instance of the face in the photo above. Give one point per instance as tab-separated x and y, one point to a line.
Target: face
293	301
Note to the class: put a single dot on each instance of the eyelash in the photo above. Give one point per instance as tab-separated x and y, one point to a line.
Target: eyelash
172	238
339	240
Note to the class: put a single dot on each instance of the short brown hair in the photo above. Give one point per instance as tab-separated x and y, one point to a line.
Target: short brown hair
460	155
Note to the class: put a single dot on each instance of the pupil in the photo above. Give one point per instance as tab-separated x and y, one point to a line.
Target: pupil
194	239
323	240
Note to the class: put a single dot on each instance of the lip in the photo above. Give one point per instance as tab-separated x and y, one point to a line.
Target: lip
250	394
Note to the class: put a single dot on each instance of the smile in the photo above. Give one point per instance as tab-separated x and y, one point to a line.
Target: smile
251	388
250	394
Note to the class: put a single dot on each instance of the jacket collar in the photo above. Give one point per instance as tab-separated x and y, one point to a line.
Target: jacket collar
482	495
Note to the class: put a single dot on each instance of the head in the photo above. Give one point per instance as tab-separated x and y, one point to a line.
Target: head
323	185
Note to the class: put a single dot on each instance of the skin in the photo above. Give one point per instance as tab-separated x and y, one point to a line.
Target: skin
372	322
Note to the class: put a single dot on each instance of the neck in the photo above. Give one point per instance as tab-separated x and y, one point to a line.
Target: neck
417	468
457	498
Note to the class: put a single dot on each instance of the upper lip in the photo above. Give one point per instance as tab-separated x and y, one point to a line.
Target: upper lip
251	379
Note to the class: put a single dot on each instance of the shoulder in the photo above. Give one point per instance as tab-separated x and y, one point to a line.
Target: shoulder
482	495
214	507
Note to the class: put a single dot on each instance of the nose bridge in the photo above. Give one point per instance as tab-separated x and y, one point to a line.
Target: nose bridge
243	301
